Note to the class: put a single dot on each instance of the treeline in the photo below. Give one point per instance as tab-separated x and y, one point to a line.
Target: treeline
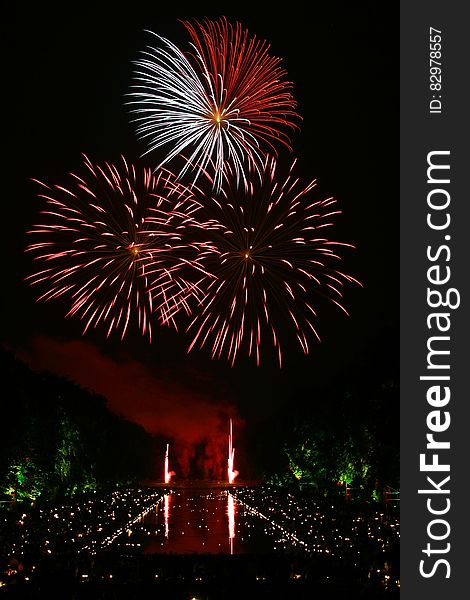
348	446
344	437
57	439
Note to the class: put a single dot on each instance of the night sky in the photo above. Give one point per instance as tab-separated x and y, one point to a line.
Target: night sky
66	74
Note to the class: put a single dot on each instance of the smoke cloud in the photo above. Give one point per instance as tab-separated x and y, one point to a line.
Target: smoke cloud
182	406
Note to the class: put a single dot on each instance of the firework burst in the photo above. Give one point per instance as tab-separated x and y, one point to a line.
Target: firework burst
112	243
271	262
226	101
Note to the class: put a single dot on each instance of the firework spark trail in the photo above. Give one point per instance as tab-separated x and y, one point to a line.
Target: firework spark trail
168	474
113	244
227	100
232	474
271	261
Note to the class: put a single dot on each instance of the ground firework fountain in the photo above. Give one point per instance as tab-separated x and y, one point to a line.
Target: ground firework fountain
168	474
232	474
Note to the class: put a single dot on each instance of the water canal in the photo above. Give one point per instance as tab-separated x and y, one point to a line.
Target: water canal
198	521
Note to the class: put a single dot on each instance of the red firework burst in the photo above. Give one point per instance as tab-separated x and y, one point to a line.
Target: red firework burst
112	243
271	262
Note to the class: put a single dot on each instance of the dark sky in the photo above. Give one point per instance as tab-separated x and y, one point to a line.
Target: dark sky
66	73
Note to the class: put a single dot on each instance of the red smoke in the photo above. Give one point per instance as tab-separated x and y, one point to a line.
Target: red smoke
170	403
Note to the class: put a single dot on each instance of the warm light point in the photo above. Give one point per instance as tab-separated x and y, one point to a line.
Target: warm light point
216	117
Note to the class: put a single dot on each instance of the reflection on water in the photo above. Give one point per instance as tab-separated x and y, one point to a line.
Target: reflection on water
201	521
231	520
167	514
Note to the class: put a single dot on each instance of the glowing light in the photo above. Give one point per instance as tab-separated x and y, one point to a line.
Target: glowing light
168	474
232	474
